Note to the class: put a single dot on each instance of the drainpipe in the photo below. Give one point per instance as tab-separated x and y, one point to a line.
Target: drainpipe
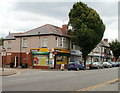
20	51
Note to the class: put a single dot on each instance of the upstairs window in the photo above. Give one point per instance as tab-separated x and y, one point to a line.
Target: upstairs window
44	42
61	42
65	42
24	43
56	38
9	44
97	49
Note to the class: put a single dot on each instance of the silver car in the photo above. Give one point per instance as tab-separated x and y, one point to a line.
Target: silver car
107	64
96	65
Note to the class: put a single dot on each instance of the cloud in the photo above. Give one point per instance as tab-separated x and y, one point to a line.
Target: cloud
23	16
105	8
111	31
58	10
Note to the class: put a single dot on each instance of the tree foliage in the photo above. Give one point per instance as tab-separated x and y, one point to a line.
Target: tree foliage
115	47
87	28
1	41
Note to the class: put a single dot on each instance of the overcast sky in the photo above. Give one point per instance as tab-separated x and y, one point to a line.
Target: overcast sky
21	16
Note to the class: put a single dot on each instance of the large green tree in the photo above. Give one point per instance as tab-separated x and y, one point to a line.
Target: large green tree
87	28
115	47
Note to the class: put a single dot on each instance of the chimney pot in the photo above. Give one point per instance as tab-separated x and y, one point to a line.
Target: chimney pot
106	40
65	27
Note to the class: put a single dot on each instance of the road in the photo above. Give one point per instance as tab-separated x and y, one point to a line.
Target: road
37	80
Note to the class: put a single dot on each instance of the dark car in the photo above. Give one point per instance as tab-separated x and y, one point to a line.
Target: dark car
113	64
117	64
75	66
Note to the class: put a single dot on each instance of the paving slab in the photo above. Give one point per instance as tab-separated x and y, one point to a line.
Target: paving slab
7	72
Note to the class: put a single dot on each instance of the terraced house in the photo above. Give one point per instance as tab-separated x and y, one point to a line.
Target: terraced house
44	47
101	52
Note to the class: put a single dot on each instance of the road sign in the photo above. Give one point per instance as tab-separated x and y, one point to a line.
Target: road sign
3	53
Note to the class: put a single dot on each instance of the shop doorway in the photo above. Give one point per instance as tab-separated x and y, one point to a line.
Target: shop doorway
16	61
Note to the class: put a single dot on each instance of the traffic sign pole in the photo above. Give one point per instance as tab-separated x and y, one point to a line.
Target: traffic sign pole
2	63
3	58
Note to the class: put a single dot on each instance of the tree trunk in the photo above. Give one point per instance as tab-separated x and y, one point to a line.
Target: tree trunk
84	57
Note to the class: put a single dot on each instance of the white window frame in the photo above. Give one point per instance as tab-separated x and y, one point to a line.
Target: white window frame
65	42
44	40
24	43
61	42
57	43
9	44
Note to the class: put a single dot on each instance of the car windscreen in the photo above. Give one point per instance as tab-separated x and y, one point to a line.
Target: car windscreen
71	63
95	63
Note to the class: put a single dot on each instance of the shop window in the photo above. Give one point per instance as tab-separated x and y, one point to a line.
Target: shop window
9	44
24	43
61	59
40	60
44	42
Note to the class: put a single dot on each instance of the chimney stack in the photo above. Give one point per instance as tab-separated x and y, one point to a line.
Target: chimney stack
65	27
106	40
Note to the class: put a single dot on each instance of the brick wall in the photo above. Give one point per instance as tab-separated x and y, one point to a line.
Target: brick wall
23	57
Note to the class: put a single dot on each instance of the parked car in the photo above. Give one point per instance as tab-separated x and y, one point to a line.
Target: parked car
117	64
113	64
96	65
75	66
107	64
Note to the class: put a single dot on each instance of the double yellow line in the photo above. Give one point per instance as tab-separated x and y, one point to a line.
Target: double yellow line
95	86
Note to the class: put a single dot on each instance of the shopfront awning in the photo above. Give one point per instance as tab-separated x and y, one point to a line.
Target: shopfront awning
40	53
63	54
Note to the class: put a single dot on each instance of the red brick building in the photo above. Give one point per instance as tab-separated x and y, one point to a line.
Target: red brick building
38	44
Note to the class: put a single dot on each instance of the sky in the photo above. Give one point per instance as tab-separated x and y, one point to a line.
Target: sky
23	15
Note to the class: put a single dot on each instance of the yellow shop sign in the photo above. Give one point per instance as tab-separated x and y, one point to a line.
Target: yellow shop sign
44	50
39	49
62	50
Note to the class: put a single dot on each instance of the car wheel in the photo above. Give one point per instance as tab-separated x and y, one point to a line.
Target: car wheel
68	69
84	68
90	67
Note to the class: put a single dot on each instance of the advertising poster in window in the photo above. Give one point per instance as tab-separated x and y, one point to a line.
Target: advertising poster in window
61	59
40	60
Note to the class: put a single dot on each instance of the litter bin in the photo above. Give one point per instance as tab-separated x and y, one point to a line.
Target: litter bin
24	65
12	65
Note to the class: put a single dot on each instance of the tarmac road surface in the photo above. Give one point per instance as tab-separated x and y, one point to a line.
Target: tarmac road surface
37	80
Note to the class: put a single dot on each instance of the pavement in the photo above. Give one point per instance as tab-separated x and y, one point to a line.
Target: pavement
7	72
12	71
